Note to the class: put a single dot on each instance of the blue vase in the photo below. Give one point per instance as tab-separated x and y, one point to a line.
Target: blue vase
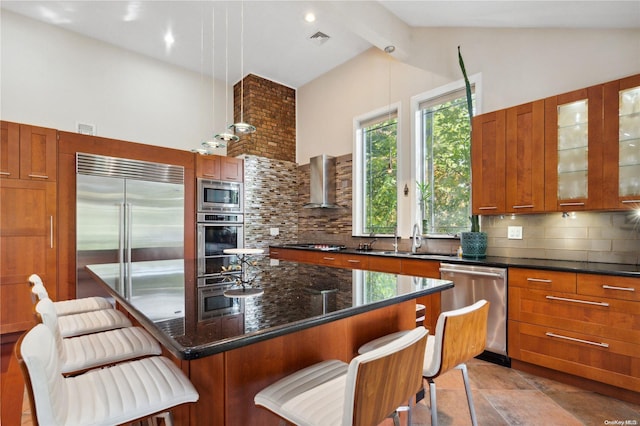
474	244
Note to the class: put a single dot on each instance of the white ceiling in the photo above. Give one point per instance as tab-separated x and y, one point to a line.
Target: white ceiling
276	38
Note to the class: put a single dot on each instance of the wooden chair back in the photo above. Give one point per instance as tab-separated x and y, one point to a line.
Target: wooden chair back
464	335
380	381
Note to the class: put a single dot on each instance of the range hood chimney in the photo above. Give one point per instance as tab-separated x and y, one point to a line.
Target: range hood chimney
323	183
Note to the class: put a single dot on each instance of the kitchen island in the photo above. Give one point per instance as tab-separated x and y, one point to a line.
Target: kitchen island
306	313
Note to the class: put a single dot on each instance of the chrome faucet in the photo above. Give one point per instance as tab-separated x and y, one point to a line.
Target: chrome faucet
395	240
416	238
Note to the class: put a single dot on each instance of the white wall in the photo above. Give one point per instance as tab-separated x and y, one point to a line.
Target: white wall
517	66
55	78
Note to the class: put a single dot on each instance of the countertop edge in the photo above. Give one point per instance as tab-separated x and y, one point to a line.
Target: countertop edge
613	269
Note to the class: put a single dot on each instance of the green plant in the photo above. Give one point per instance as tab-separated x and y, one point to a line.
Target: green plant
475	223
475	219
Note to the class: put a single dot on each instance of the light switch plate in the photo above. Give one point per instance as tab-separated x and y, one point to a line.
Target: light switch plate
514	232
274	232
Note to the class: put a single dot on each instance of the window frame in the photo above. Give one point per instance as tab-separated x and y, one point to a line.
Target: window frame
417	151
357	229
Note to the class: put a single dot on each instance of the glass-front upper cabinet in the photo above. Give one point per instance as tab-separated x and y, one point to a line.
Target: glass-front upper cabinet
621	165
573	150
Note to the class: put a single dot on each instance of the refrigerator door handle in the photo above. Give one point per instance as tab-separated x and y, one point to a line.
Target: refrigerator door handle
129	228
121	246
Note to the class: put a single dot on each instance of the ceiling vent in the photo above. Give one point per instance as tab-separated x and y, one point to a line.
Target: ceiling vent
319	38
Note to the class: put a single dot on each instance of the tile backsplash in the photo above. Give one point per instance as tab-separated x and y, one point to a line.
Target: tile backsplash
276	191
611	237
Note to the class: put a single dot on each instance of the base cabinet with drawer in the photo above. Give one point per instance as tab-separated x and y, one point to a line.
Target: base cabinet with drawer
587	325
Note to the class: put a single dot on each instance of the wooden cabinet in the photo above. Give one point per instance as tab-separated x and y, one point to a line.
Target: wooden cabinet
621	155
488	163
28	152
508	160
220	168
28	231
573	150
338	260
581	324
525	158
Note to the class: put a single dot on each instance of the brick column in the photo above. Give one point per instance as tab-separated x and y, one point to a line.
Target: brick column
271	108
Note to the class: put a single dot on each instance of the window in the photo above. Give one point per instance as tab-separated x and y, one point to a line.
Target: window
375	174
444	167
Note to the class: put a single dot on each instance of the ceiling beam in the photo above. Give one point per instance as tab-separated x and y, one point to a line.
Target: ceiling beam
373	23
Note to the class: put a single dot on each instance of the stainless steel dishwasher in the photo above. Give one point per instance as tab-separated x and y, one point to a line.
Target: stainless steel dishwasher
473	283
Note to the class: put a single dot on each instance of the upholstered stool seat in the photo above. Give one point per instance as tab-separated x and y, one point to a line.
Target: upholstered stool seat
96	349
363	392
68	307
92	322
107	396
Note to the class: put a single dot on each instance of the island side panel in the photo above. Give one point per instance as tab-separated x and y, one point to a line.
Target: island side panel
251	368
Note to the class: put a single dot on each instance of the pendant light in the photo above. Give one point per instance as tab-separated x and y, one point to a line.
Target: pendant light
242	127
209	145
226	136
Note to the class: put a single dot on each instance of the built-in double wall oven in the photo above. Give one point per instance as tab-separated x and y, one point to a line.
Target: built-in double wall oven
220	226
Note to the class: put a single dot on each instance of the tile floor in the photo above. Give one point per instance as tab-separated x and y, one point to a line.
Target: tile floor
504	396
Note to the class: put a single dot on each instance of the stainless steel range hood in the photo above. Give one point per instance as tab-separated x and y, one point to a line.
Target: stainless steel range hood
323	183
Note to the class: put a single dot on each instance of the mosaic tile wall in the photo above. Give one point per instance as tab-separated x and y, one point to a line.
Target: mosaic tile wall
326	225
271	201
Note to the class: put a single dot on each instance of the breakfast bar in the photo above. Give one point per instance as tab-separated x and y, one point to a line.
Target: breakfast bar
304	314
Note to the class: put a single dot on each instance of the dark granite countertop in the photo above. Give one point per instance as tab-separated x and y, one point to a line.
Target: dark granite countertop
296	296
503	262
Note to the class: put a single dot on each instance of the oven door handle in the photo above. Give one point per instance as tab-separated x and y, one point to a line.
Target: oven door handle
479	273
201	250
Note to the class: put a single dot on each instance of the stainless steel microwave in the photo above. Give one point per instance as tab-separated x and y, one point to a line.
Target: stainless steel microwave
220	196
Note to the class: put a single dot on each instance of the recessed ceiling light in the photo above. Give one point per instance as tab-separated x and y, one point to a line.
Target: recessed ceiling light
169	40
310	17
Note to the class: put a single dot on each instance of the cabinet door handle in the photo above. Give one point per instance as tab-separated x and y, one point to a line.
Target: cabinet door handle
50	231
539	280
488	208
573	339
5	173
526	206
586	302
571	204
611	287
630	201
39	176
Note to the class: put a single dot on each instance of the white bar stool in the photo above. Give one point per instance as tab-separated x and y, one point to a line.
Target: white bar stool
118	394
68	307
363	392
96	349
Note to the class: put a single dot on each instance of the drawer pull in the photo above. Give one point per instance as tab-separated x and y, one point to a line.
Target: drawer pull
329	258
526	206
487	208
586	302
538	280
573	339
353	261
571	204
39	176
611	287
5	173
630	201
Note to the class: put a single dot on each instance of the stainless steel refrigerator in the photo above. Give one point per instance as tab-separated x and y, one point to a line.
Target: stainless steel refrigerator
130	220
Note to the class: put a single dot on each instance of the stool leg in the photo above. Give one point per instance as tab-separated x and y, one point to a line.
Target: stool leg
434	405
467	388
